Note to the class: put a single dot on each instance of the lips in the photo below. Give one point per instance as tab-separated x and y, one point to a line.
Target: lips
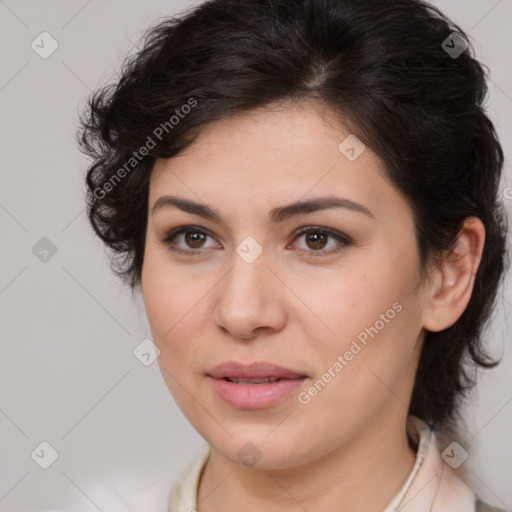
253	373
254	386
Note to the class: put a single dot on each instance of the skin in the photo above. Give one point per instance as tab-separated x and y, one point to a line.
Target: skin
347	448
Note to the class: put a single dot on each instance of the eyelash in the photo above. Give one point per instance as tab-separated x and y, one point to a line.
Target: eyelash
339	237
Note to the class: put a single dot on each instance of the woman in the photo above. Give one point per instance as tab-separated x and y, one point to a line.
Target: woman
305	193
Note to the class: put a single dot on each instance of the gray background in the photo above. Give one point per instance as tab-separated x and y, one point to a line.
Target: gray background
68	375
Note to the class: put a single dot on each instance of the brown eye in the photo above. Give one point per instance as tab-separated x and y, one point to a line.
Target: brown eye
194	239
316	240
188	240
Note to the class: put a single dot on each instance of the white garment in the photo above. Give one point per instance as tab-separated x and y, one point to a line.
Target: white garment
432	485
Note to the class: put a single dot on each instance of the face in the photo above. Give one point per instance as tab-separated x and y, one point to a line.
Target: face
330	292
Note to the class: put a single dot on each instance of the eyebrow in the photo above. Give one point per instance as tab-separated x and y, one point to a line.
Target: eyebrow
279	214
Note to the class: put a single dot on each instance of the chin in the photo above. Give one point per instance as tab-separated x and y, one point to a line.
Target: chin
259	451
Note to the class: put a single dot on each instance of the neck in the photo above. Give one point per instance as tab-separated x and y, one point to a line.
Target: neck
363	474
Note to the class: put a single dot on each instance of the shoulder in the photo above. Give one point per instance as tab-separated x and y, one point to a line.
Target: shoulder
481	506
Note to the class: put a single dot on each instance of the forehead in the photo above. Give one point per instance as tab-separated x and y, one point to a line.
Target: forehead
273	156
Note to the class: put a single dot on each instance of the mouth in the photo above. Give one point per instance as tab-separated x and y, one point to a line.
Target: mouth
254	386
260	372
266	380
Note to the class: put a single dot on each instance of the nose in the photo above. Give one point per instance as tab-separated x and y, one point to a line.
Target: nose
251	299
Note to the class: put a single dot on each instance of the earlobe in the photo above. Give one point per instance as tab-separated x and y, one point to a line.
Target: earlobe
451	284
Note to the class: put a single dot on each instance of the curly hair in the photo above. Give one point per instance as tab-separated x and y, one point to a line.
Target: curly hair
398	73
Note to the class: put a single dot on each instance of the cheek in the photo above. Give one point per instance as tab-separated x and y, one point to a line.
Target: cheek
173	320
166	296
177	310
369	313
344	306
169	304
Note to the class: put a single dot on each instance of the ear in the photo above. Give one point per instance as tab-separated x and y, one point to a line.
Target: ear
451	284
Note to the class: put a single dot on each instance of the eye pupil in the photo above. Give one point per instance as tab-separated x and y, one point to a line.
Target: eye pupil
194	239
316	238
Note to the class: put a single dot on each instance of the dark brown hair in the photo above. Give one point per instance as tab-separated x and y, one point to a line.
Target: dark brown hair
390	68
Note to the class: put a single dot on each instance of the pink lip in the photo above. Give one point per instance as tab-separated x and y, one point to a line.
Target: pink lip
259	369
253	396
